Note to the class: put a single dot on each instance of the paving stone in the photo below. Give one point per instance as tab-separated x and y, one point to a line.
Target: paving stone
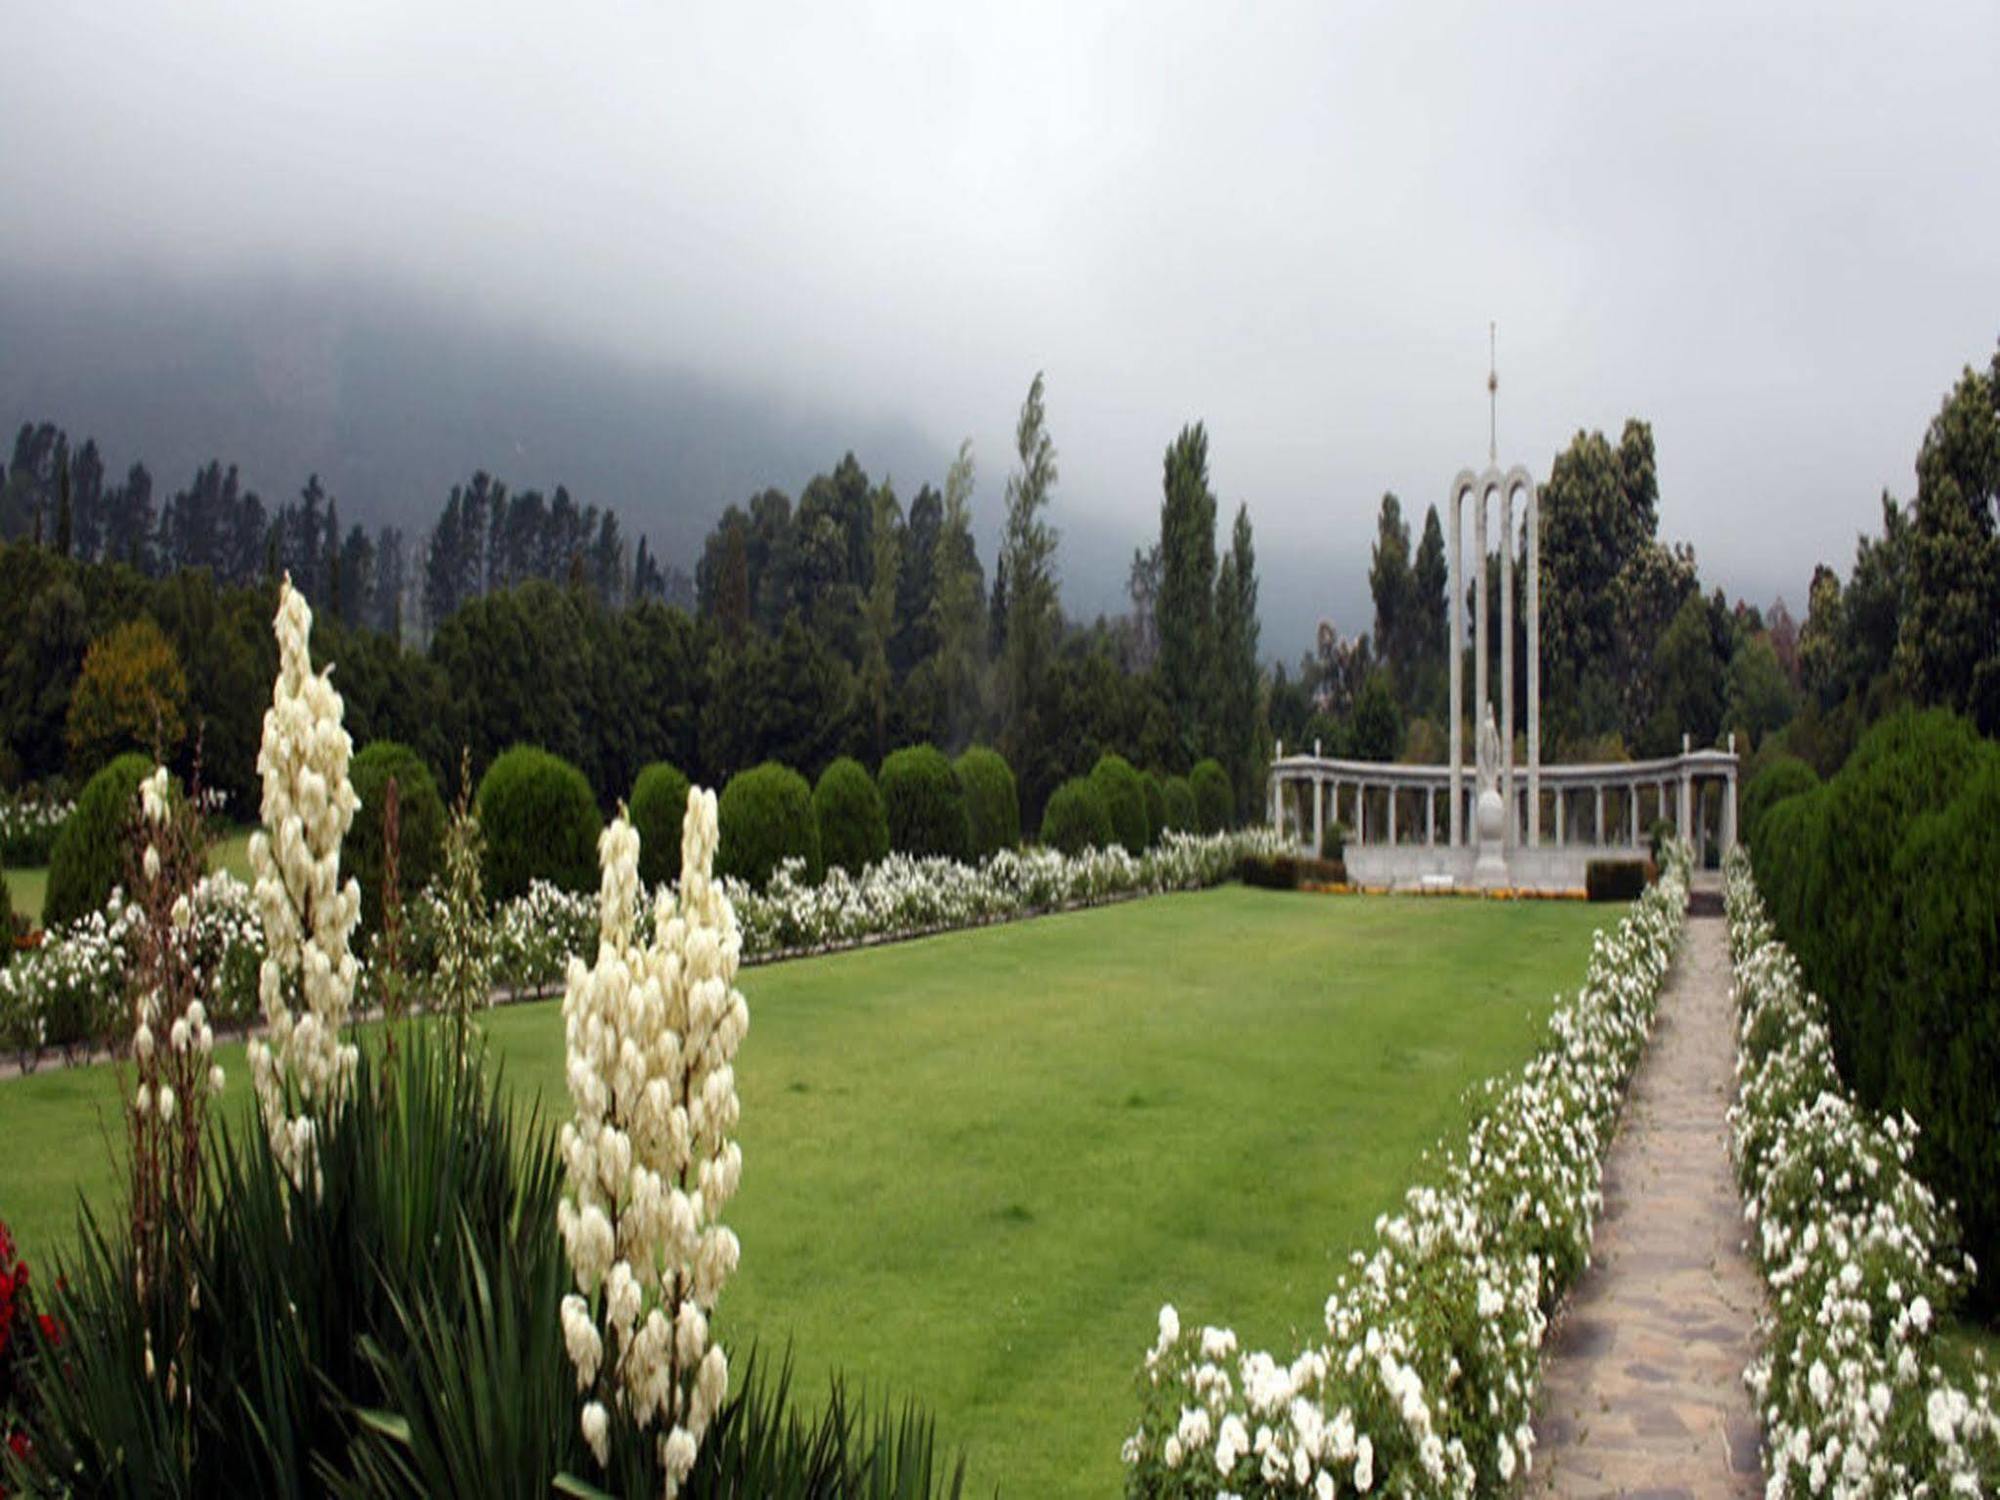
1644	1393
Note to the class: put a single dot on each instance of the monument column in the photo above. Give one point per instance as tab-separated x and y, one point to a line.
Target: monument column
1319	816
1455	608
1392	813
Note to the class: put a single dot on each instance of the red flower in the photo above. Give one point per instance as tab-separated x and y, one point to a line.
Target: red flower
51	1330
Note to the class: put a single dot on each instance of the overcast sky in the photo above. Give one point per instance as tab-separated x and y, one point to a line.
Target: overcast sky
1776	236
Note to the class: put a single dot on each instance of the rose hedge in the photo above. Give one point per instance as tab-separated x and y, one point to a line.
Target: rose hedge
1857	1392
1425	1382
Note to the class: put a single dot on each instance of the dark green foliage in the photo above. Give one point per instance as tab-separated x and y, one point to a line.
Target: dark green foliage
1614	879
1884	883
400	1336
1290	872
91	851
658	810
1076	818
420	820
1181	814
540	822
1124	794
1333	840
6	918
1786	776
992	805
853	828
766	817
925	804
1156	806
1214	802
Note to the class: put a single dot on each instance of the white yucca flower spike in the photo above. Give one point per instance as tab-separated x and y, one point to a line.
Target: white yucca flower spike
651	1033
308	914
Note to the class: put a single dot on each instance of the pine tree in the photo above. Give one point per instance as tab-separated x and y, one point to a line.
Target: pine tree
1185	610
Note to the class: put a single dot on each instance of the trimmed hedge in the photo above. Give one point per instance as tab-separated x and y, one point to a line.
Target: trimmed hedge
1124	794
1181	814
924	803
853	829
1288	872
540	822
1885	883
766	816
1214	798
992	801
658	810
90	852
1619	880
1076	818
1156	806
1786	776
420	822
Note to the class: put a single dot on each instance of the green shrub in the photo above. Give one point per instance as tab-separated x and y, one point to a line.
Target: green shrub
1182	816
1614	879
419	818
658	809
992	803
6	919
1786	776
766	817
1124	794
1156	806
1945	1037
926	806
91	851
540	822
1333	840
853	828
1288	872
1214	799
1076	818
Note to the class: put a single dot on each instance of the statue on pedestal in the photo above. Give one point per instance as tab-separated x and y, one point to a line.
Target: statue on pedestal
1489	753
1489	812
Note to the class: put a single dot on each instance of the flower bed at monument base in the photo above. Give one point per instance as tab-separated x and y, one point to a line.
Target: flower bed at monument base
1854	1385
1425	1383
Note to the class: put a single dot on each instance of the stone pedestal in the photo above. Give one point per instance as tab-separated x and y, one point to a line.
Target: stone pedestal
1489	871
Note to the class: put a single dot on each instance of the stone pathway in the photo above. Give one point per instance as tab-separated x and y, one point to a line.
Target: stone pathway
1645	1394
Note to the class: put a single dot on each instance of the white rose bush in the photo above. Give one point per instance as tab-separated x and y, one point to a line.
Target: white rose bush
1425	1381
651	1029
306	984
1855	1386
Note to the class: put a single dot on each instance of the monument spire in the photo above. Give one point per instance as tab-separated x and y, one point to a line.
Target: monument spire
1492	394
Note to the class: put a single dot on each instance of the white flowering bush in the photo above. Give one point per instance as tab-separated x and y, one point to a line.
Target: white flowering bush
651	1030
306	982
70	992
1425	1381
29	825
1856	1392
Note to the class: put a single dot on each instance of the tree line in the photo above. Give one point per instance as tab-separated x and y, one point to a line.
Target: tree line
842	624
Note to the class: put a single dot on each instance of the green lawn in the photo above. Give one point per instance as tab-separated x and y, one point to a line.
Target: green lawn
29	888
974	1166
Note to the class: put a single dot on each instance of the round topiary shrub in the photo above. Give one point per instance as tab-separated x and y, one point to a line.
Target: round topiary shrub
540	822
1156	806
1181	814
853	829
90	852
1786	776
419	824
1124	794
765	816
1214	800
658	811
1076	818
992	803
926	807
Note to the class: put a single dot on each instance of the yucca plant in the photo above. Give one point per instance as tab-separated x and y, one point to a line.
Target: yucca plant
399	1336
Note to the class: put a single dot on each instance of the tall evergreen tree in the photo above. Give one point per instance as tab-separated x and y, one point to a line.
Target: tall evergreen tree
957	614
1186	605
1028	550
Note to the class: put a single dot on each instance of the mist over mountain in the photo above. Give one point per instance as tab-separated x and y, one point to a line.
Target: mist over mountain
391	399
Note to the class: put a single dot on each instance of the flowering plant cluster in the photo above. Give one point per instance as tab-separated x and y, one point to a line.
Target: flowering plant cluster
28	827
1861	1260
1425	1382
651	1030
70	991
19	1325
302	1071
